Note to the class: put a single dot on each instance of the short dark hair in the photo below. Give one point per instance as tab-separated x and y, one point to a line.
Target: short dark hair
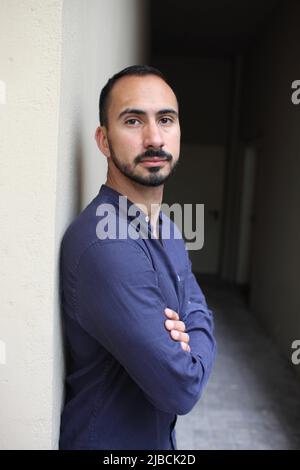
133	70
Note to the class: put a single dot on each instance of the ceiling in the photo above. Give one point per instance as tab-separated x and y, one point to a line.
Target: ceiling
210	27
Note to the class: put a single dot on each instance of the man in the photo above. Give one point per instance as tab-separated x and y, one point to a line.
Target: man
139	332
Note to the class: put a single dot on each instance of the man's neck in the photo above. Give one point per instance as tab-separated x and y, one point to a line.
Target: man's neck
147	198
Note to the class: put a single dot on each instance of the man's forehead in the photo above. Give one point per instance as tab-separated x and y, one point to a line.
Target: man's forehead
142	91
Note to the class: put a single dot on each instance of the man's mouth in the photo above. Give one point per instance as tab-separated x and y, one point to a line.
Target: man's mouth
153	161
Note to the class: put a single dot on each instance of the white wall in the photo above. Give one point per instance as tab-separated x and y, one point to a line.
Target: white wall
30	65
55	56
271	116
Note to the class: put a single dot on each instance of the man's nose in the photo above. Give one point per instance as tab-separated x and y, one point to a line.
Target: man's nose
153	136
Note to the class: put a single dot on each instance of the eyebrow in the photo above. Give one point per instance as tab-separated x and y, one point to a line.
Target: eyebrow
140	112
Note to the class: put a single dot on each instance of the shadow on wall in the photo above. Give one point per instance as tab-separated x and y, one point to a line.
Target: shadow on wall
70	208
79	173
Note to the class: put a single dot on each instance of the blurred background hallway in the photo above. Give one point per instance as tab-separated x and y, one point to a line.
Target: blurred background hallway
252	398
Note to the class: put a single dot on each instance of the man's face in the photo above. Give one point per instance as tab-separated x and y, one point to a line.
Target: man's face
143	129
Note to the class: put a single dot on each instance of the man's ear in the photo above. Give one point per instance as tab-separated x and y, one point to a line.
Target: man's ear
101	139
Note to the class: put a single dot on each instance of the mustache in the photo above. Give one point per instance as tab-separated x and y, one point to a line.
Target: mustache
153	153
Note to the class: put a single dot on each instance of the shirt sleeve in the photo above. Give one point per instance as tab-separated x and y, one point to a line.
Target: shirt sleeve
199	325
118	302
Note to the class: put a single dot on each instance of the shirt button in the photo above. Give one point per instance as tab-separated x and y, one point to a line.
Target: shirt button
178	277
147	218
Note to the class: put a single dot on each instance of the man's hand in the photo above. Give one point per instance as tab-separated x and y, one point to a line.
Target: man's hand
177	329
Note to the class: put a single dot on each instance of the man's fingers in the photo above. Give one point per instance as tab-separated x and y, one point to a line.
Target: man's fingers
175	325
178	336
185	346
177	328
171	314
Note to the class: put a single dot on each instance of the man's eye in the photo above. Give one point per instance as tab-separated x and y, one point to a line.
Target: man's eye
166	120
132	122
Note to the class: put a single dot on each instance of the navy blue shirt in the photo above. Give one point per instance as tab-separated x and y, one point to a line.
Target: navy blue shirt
127	379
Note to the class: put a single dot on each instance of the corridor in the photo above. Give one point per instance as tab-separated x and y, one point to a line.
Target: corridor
252	398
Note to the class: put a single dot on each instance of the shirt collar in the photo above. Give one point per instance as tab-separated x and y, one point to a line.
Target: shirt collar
112	196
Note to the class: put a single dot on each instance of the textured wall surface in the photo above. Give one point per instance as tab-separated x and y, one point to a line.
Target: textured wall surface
30	41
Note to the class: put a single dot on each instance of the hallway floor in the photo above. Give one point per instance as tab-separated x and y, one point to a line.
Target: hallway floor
252	400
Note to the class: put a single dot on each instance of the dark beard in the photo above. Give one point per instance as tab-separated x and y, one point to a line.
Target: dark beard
153	178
